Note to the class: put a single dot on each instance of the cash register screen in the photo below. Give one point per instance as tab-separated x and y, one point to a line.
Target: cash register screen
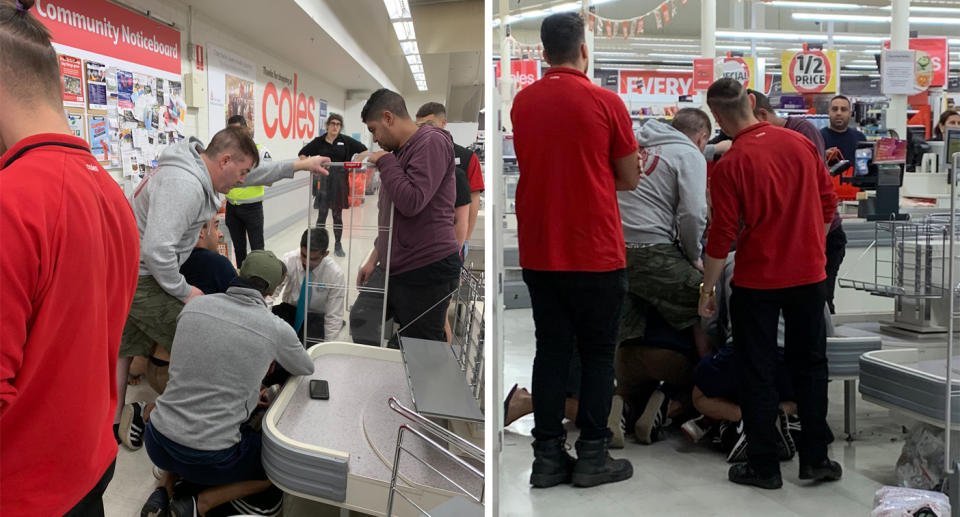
951	143
862	164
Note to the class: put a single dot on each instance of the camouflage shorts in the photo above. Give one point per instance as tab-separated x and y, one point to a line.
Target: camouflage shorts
152	319
660	277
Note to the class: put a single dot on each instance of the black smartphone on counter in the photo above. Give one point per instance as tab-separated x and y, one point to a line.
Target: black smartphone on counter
319	389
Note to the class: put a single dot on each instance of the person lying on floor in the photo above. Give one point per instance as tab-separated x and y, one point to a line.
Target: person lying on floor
224	345
654	379
716	386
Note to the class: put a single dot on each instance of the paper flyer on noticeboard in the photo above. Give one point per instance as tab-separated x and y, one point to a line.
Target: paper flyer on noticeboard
75	121
99	140
71	69
125	89
96	85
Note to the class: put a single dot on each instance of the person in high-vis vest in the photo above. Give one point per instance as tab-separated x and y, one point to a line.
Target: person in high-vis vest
245	208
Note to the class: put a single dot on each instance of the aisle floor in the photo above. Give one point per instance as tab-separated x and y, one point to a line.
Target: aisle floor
133	479
673	477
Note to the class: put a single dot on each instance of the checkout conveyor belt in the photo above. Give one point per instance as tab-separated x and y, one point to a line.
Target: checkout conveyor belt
340	451
911	381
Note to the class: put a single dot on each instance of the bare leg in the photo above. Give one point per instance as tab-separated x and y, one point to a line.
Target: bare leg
147	410
570	409
167	481
123	366
137	368
790	408
214	497
521	404
715	408
161	353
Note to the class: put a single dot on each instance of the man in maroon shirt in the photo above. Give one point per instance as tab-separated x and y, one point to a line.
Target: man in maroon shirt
836	237
771	193
419	188
571	248
69	254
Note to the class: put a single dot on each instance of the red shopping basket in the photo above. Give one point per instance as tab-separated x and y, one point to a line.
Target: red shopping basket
358	187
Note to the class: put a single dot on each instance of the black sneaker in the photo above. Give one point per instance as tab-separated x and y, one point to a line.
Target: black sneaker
654	417
826	470
156	505
184	507
132	425
785	446
743	474
794	427
738	453
338	250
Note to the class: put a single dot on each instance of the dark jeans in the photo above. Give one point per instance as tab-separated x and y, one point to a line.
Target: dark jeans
836	250
754	314
245	221
416	300
574	310
92	504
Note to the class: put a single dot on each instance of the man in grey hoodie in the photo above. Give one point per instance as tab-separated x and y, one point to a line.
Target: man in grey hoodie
171	205
224	345
663	222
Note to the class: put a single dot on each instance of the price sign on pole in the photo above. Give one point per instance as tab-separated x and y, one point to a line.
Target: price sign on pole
809	71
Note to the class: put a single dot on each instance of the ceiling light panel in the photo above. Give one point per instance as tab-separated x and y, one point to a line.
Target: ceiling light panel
404	30
397	9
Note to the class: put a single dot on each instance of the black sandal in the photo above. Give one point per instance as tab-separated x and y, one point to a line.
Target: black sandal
506	402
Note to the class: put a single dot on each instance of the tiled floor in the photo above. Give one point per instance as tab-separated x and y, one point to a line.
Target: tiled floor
133	480
673	477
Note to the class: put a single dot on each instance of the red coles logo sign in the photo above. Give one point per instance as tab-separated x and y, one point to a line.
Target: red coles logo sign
291	114
524	71
810	71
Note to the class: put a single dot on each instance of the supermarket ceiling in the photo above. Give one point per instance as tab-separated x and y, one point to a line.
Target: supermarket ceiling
859	25
353	43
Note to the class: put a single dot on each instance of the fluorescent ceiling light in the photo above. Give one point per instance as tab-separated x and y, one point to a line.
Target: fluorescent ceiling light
419	76
404	30
813	5
861	67
397	9
925	9
417	69
409	47
414	59
927	20
675	56
569	6
796	36
862	18
537	13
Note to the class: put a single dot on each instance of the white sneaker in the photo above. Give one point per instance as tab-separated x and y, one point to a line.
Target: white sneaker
615	421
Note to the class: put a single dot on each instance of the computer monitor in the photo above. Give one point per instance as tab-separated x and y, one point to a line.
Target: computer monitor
951	144
916	146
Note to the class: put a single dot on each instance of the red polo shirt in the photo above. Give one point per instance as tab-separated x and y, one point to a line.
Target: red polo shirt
68	269
773	183
567	132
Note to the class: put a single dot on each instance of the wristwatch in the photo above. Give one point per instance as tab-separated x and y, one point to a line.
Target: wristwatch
704	292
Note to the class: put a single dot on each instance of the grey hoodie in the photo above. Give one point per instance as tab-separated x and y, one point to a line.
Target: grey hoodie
223	347
670	202
173	203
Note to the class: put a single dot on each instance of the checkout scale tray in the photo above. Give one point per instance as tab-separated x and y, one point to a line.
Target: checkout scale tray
438	385
912	381
340	451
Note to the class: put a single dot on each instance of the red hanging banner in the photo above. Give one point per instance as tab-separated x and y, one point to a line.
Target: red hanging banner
665	9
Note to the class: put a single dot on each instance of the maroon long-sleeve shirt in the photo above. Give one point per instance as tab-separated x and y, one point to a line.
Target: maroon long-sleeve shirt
419	180
772	182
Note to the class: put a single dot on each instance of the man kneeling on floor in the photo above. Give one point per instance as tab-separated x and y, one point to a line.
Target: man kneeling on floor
224	345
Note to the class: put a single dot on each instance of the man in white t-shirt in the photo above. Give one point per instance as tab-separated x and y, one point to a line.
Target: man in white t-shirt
324	314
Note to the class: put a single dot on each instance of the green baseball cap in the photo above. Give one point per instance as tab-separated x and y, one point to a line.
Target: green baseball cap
265	265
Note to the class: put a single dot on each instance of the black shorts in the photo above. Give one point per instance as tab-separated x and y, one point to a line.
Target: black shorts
211	468
718	376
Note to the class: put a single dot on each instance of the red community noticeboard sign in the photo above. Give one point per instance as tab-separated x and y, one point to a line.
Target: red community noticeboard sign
104	28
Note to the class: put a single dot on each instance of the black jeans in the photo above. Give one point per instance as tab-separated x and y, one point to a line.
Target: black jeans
245	221
574	310
836	250
315	321
92	504
416	300
754	314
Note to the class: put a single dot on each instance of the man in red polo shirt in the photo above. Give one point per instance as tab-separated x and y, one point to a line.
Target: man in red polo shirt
772	194
68	271
571	248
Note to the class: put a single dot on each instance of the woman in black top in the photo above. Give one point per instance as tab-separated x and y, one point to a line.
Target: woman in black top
332	192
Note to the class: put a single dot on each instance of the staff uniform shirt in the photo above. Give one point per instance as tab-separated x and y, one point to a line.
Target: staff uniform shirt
342	149
774	184
468	161
69	255
567	133
325	298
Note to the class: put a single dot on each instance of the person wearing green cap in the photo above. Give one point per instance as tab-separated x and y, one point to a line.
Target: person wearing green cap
223	346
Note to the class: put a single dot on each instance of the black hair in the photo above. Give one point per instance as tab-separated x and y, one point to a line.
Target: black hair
762	102
236	139
319	239
237	119
844	97
383	100
432	108
692	122
728	97
562	34
29	67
